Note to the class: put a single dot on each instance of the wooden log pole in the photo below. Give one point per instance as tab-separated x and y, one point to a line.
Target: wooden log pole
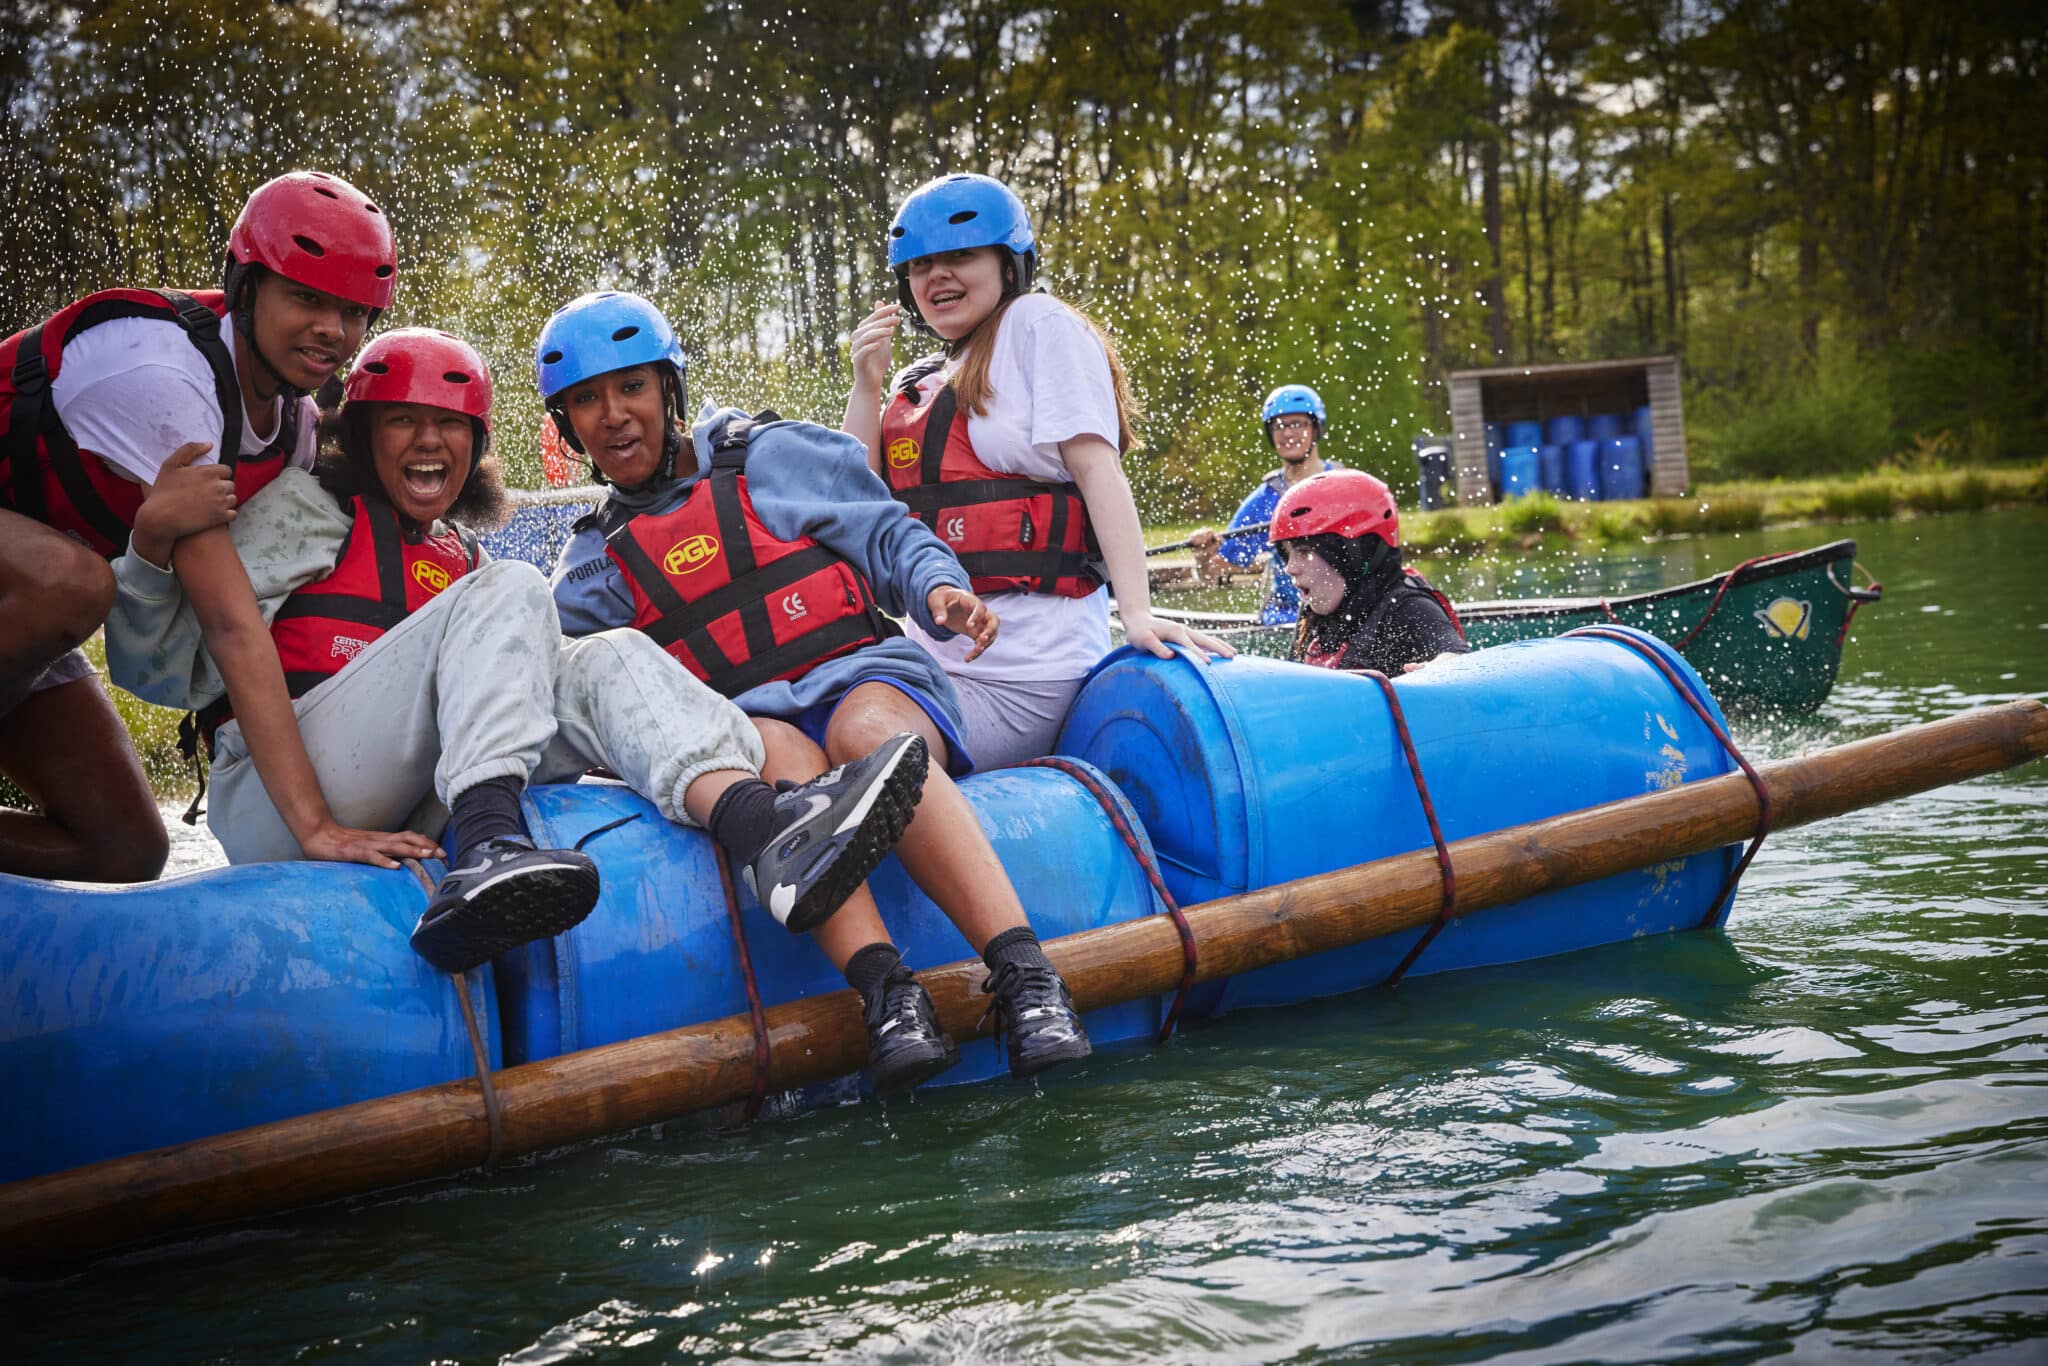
51	1220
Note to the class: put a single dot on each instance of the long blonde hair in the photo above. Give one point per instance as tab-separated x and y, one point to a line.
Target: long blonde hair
973	391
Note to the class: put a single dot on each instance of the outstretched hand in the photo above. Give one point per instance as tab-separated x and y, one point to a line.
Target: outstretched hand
956	609
338	843
1148	632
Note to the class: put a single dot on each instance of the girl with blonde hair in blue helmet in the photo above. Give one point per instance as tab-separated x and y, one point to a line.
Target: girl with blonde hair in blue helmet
1008	444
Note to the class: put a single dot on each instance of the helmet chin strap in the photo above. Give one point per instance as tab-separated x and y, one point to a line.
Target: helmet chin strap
243	309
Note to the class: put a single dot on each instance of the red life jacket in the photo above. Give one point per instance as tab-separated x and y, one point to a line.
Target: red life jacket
43	474
1411	582
1011	533
379	580
733	604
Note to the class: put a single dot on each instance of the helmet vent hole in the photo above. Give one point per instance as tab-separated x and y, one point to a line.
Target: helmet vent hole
371	207
383	272
964	215
376	367
322	189
551	358
455	377
896	231
625	332
310	247
1300	512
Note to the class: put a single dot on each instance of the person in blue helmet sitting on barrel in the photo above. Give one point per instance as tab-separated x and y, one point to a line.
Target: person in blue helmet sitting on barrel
1294	419
770	562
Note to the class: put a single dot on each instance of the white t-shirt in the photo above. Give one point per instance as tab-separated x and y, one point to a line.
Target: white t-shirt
133	390
1050	382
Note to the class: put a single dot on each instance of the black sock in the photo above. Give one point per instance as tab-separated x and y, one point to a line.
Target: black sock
1019	946
488	811
870	969
743	818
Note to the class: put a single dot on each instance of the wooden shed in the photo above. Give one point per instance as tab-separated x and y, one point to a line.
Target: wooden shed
1537	393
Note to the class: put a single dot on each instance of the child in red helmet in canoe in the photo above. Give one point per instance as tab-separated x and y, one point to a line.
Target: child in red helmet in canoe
1338	536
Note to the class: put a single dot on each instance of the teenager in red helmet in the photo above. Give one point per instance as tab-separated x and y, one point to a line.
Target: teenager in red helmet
1338	536
422	670
156	411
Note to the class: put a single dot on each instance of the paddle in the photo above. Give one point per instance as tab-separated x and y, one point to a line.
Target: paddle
441	1130
1259	528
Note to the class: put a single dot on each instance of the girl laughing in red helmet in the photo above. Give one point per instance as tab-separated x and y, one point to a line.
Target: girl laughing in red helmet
1339	538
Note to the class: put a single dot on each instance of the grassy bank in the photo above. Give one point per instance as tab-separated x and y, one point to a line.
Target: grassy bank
1714	508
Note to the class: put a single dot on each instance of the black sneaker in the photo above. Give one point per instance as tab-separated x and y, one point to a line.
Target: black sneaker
509	894
831	832
1035	1015
906	1046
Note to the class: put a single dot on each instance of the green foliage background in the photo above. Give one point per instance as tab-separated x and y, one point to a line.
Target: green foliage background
1832	210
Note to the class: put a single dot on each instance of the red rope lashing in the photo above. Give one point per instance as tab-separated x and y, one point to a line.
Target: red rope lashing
1610	612
1449	908
1115	813
494	1114
1854	600
754	1010
1722	592
1763	795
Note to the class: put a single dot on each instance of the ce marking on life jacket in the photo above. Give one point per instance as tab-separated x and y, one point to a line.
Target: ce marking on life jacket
956	529
793	606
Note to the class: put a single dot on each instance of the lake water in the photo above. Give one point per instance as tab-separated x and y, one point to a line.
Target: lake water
1822	1132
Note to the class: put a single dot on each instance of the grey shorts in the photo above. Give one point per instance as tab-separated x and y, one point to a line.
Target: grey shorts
1012	720
69	668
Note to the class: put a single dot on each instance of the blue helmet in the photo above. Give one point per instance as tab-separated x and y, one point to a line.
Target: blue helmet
1292	398
594	334
956	213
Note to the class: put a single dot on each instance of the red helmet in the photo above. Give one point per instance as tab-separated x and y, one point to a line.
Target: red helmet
423	365
1346	503
320	231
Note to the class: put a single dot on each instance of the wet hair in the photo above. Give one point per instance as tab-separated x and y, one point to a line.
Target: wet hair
347	468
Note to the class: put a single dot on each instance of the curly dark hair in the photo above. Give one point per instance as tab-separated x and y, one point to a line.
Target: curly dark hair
347	469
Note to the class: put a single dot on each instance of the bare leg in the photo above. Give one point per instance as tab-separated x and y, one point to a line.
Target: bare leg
66	746
944	850
68	749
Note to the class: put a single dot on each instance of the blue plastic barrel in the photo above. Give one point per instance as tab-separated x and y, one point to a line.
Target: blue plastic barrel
1496	478
142	1016
1643	429
657	951
1524	434
1239	791
1565	429
1550	468
1582	470
1621	468
1604	426
1520	468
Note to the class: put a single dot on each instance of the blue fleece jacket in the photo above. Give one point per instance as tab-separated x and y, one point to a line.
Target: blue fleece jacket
804	480
1283	600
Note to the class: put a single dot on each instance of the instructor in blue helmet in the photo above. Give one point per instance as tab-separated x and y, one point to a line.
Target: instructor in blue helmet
1294	418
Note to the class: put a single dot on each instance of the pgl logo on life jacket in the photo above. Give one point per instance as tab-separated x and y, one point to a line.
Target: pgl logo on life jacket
903	453
1787	619
429	576
956	529
793	606
694	553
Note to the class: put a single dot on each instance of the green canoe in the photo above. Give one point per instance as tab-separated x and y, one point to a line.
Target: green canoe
1766	635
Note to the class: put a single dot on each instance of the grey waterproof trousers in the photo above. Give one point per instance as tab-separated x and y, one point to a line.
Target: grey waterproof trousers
480	684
